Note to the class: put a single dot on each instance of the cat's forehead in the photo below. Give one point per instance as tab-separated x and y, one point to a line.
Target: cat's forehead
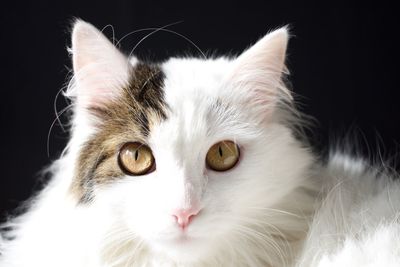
191	95
191	78
192	92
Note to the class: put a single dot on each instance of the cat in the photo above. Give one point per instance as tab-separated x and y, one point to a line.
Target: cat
198	162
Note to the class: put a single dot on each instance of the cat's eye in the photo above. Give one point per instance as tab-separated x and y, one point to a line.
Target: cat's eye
136	159
223	156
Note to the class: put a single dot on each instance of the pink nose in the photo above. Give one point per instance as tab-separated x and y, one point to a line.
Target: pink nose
184	217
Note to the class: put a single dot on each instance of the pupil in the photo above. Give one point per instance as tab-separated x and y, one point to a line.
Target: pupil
136	155
220	151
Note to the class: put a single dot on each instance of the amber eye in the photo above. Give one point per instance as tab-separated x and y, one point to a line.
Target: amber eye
223	156
136	159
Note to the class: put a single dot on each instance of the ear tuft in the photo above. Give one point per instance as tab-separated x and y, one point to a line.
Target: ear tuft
278	41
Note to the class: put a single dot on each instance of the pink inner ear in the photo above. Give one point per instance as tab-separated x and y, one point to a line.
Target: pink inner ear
101	82
256	76
263	97
100	69
256	89
260	102
98	88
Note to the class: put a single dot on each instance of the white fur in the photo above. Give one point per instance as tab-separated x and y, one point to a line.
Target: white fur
256	214
357	223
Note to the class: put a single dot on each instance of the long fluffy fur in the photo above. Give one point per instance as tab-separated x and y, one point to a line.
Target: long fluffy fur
284	208
357	223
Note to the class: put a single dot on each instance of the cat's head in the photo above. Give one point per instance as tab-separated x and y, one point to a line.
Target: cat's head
187	155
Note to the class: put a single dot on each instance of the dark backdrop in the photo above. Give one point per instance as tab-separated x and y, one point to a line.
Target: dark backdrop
343	60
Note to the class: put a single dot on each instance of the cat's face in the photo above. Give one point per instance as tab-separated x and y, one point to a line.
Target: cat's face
186	155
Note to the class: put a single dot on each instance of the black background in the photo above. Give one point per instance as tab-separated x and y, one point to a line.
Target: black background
343	62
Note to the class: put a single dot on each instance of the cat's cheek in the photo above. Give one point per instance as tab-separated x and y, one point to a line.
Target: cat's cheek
142	204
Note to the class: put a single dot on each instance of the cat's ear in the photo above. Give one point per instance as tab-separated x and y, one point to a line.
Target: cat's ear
257	73
100	69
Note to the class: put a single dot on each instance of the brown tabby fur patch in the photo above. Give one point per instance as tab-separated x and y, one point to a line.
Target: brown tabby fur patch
130	118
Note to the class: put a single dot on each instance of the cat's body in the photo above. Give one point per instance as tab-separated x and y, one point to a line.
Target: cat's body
182	212
357	222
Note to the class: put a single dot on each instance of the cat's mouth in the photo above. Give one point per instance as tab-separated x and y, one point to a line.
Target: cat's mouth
180	237
183	238
184	246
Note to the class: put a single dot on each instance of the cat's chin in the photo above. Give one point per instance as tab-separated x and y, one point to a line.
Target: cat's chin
183	248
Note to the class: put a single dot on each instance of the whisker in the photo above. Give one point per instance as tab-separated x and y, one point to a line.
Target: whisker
278	211
112	30
265	239
163	29
187	39
55	108
144	38
146	29
52	125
